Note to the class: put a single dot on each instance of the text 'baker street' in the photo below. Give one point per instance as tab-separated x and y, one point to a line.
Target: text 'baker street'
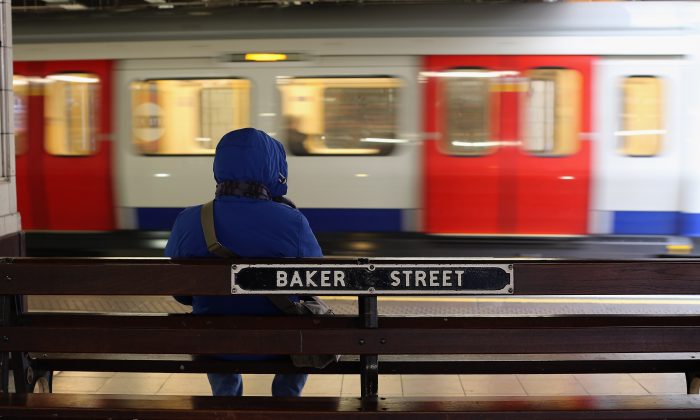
399	278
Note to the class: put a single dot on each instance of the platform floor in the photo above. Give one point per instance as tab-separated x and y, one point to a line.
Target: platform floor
394	385
389	385
405	305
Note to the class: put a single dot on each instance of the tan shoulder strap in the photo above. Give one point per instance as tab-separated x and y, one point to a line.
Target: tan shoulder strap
213	244
215	247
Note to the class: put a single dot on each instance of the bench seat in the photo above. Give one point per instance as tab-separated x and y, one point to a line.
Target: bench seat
117	407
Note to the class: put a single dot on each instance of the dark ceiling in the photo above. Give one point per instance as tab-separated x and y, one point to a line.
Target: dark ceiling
32	7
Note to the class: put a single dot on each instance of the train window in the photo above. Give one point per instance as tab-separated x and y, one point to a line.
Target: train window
340	115
467	103
70	113
20	88
552	112
642	132
187	116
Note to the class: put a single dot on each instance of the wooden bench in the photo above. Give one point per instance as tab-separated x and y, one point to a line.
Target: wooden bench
413	345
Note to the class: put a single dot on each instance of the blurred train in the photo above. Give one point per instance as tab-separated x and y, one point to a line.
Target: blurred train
510	119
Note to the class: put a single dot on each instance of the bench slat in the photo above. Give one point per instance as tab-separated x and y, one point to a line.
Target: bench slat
525	340
74	406
188	321
161	276
395	365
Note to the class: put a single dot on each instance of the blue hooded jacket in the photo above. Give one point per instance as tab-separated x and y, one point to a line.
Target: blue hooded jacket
249	227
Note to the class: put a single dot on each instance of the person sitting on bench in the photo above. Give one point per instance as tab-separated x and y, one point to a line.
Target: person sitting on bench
251	219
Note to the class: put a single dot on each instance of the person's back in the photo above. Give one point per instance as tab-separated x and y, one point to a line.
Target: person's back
251	173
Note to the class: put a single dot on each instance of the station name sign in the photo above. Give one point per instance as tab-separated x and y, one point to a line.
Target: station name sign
371	279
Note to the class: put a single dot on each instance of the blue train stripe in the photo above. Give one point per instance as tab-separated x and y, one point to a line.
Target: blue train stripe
690	224
646	222
156	218
321	220
390	220
354	220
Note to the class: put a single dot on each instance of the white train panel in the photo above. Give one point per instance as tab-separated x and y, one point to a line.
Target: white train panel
638	158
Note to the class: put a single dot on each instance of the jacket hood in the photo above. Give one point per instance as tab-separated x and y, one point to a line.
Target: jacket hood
251	155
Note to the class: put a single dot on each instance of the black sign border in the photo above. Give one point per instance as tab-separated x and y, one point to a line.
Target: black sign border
507	290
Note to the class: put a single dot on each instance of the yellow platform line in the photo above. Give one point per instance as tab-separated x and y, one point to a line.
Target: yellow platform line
615	301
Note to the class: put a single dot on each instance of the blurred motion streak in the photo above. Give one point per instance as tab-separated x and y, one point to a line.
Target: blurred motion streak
562	120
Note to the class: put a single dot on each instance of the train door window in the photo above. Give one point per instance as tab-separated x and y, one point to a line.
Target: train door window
187	116
552	112
340	115
642	121
466	95
20	88
70	113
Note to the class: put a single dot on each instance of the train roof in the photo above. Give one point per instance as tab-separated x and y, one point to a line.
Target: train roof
377	21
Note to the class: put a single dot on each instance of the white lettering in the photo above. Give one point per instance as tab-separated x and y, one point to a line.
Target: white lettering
395	278
408	277
459	277
310	280
296	280
446	280
338	278
281	278
420	278
434	279
325	279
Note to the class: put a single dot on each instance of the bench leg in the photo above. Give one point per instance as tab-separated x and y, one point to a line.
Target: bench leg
22	372
369	363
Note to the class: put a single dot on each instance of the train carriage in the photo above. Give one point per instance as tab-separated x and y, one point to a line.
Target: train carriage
534	121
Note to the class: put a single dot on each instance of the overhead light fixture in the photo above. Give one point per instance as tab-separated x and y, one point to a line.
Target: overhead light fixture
469	74
72	78
381	140
262	57
73	6
155	1
265	57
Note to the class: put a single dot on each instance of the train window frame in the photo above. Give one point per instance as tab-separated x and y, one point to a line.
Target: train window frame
447	144
565	135
245	116
21	91
386	146
50	142
627	126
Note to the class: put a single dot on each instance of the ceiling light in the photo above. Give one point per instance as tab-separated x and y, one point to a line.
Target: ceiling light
71	78
381	140
73	6
265	57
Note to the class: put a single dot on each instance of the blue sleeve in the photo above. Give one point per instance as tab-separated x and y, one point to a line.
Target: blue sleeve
308	245
173	250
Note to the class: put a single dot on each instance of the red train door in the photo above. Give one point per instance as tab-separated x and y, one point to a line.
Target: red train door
64	170
507	155
552	182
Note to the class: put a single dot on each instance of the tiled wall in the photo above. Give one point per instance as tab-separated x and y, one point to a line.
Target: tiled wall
9	218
